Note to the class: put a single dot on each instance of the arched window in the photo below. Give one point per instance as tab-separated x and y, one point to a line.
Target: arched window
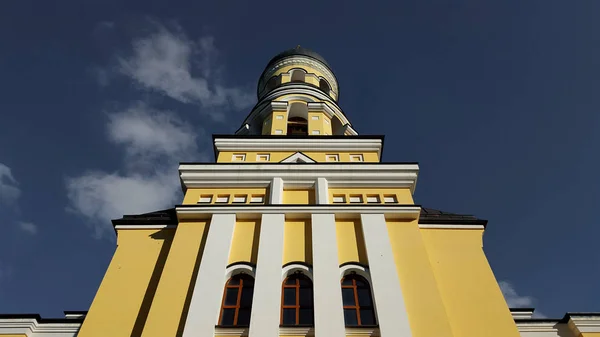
297	300
323	85
237	301
298	75
297	126
358	303
273	83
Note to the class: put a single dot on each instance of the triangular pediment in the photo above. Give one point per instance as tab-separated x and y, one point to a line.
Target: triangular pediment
298	157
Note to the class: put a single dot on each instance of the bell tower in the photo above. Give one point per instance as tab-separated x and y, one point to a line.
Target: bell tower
299	229
297	95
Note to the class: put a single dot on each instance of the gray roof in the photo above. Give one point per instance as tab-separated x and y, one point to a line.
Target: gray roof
298	51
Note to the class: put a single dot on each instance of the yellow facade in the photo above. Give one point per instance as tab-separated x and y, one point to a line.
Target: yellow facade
244	246
350	242
473	300
193	195
132	278
174	288
297	241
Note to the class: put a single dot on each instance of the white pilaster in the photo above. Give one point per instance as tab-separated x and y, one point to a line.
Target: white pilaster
327	291
208	290
322	190
387	293
264	320
276	191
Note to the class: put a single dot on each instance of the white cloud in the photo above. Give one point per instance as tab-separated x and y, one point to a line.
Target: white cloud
148	134
9	190
100	196
170	63
28	227
154	142
513	299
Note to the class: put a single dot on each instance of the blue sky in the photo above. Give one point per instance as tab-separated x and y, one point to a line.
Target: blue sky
497	101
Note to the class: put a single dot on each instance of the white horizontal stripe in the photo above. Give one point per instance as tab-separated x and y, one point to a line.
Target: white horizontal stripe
144	226
450	226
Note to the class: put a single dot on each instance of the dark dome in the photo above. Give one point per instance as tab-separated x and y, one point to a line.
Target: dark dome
298	51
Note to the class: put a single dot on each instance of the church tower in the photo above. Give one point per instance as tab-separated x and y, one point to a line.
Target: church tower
299	229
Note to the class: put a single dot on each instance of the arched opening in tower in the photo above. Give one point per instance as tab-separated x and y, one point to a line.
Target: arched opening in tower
298	119
337	128
323	85
298	75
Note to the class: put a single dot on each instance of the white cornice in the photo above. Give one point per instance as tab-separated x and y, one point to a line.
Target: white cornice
534	326
193	212
584	323
299	175
31	327
296	145
451	226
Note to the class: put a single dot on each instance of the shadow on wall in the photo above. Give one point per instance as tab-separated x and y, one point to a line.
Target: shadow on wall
165	235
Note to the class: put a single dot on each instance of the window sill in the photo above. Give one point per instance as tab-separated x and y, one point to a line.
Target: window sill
364	330
224	330
296	330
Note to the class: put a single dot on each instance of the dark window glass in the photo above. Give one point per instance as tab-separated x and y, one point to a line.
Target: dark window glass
289	296
231	296
367	317
291	280
248	282
305	282
364	297
350	317
228	316
246	300
348	296
347	281
244	317
359	282
306	297
306	316
289	316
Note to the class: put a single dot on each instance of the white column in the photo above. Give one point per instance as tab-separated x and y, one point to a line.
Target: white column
266	302
329	312
208	290
391	311
322	190
276	195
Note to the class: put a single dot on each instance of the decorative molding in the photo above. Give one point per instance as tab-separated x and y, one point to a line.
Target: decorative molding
298	157
298	144
31	327
239	268
233	331
451	226
296	331
305	175
193	212
293	267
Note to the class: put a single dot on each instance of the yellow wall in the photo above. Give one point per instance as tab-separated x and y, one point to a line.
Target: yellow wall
193	194
131	278
473	300
267	126
171	301
424	304
309	70
297	241
350	242
299	196
403	195
319	124
244	245
225	157
590	334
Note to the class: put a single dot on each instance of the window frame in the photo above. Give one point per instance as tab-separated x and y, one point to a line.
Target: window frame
297	307
238	304
357	307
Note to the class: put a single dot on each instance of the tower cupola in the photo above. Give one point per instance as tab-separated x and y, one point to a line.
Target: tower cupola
297	95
